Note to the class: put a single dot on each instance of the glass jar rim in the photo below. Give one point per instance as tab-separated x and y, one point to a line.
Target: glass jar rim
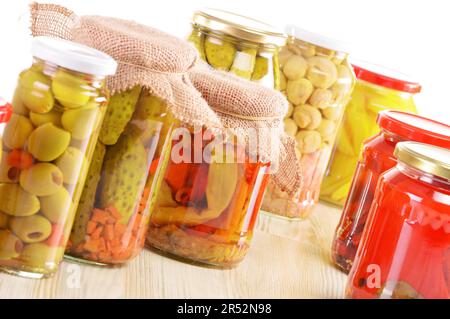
385	77
424	157
415	128
73	56
317	39
239	26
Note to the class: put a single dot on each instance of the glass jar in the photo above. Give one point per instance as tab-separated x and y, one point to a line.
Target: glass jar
58	107
317	80
378	157
241	45
376	89
404	251
5	115
112	218
206	210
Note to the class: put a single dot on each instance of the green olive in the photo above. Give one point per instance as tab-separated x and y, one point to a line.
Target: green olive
42	179
56	207
81	122
39	119
31	229
48	142
17	131
34	91
10	245
72	164
40	255
14	201
70	90
8	174
17	104
219	53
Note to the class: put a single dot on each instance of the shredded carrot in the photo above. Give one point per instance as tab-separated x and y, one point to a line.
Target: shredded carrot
100	216
114	212
91	226
109	232
97	232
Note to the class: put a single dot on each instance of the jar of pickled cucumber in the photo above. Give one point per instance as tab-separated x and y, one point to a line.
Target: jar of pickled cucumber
376	89
5	115
241	45
317	80
112	218
58	107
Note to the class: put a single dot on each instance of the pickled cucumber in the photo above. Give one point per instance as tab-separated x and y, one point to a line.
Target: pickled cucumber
87	199
48	142
42	179
15	201
34	91
81	122
56	206
124	174
10	245
72	164
31	229
198	40
261	68
17	131
120	109
70	90
219	54
244	63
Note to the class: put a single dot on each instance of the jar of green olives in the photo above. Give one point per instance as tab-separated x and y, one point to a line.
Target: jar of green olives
58	107
317	80
241	45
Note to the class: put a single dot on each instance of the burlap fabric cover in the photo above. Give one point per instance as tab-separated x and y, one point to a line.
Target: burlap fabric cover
245	107
145	56
160	63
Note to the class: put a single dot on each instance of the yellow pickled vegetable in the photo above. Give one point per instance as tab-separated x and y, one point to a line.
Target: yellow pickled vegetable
359	123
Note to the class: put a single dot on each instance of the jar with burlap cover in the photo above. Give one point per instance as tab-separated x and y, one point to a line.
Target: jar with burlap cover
211	220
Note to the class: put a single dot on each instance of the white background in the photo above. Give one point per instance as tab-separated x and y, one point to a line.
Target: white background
409	35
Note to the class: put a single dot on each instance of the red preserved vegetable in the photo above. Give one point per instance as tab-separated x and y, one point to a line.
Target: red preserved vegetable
404	251
377	157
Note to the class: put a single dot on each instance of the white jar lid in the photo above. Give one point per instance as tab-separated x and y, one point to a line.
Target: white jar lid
73	56
316	39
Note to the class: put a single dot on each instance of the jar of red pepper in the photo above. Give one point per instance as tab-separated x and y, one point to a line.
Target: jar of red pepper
376	158
405	249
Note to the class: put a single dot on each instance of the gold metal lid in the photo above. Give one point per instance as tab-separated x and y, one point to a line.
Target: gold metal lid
239	26
424	157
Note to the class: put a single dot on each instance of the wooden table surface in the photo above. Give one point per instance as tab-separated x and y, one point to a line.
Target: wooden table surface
286	260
